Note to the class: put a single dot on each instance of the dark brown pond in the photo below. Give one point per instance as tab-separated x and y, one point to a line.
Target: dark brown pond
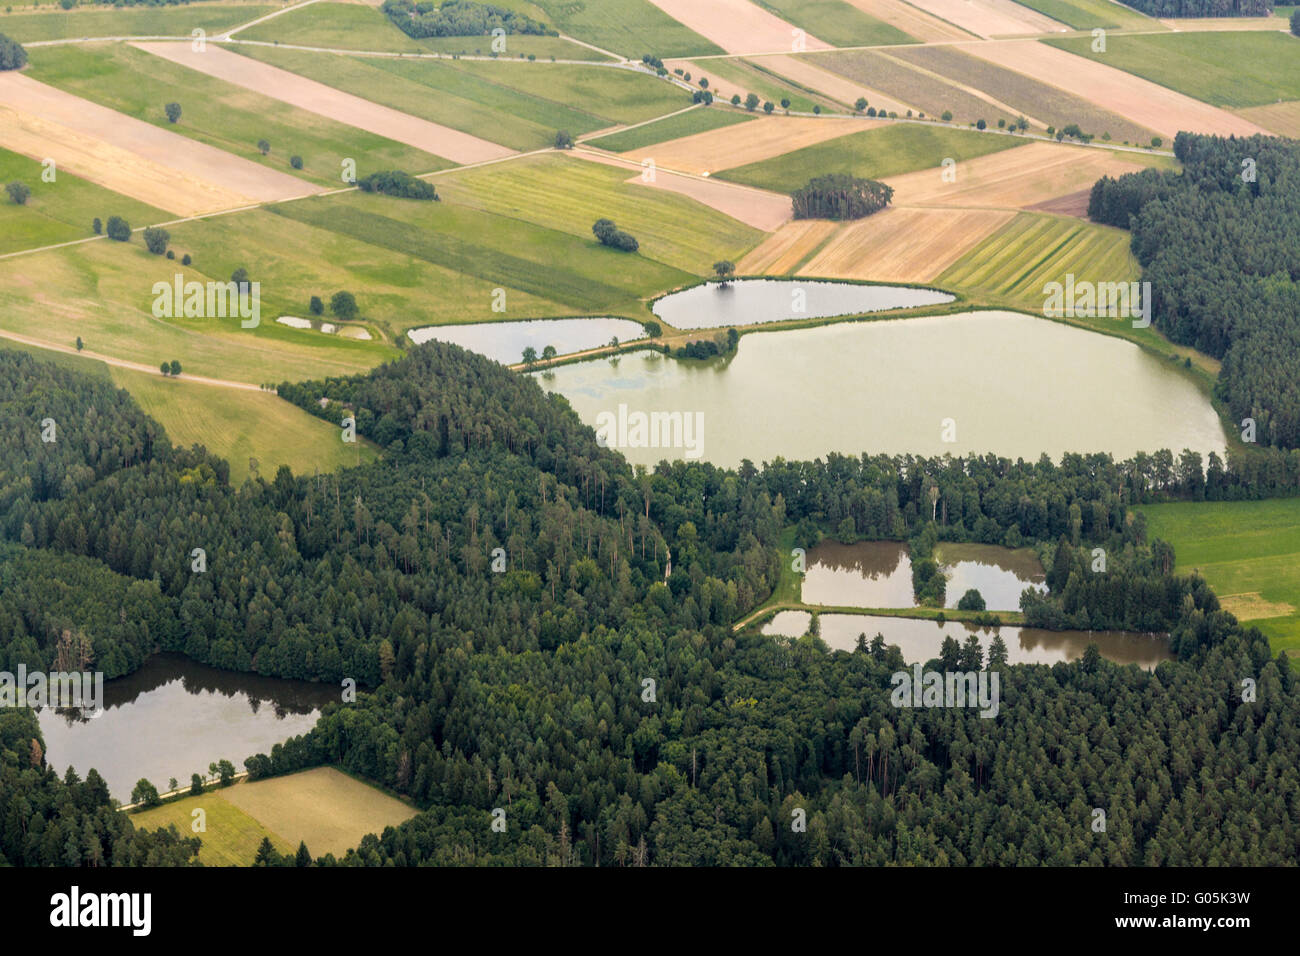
173	717
879	574
920	640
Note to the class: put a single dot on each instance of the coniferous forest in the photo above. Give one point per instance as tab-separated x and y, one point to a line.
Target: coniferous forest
524	688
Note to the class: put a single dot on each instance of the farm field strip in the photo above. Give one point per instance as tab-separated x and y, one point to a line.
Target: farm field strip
1142	102
758	208
738	26
1282	119
129	156
1087	14
762	139
837	22
904	244
35	28
306	94
1013	179
835	86
626	27
912	20
786	248
692	120
991	18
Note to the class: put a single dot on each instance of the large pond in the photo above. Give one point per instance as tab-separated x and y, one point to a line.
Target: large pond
920	640
879	574
505	342
999	382
753	301
173	717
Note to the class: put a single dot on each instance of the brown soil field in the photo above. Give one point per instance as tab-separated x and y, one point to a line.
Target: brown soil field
786	247
1281	118
931	92
1072	204
326	809
904	244
911	20
1141	101
1037	98
834	85
737	26
759	139
754	207
992	18
327	101
131	156
1013	178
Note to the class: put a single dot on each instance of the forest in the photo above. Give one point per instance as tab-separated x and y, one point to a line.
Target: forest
457	18
1203	8
1220	245
526	688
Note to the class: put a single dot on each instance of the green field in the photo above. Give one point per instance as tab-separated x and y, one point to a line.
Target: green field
520	105
1248	551
872	154
752	77
1050	105
568	194
836	22
60	211
1233	69
351	26
230	838
148	21
698	120
629	27
221	114
238	425
1086	14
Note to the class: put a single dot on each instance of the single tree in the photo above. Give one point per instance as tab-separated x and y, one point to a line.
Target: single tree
564	139
97	226
145	792
165	368
980	124
118	228
344	305
156	239
735	99
972	600
752	101
530	356
295	162
549	352
316	306
173	111
196	784
303	857
186	260
175	367
266	855
12	55
861	104
785	103
225	769
263	147
947	116
19	193
768	107
240	278
724	269
653	329
80	345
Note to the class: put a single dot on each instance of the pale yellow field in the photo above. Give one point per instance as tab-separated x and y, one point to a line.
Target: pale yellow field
911	20
737	26
786	247
1281	118
1012	179
1145	103
752	142
992	18
904	244
326	809
1219	24
804	73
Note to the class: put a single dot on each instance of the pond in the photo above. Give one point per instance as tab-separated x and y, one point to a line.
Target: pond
879	574
1000	382
920	640
173	717
505	342
754	301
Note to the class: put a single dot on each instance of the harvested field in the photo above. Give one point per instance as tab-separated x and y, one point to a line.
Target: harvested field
904	245
1012	179
762	139
1087	14
327	101
737	26
992	18
932	93
1280	118
911	20
728	77
1037	97
322	807
834	85
697	119
1215	24
787	247
1144	103
132	157
1072	204
763	210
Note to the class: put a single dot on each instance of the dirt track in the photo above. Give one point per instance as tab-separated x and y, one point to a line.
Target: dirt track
325	100
131	156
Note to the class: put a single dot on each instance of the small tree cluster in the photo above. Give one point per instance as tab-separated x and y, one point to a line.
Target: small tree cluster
610	235
840	196
394	182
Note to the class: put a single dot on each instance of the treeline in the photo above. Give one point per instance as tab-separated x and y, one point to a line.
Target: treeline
1220	245
1202	8
458	18
395	182
840	196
